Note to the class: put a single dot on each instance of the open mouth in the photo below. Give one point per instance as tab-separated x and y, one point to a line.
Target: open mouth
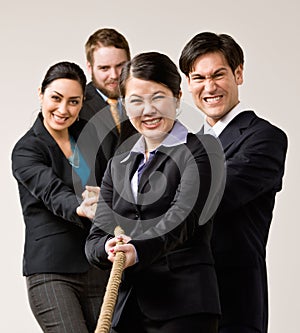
59	119
213	99
152	122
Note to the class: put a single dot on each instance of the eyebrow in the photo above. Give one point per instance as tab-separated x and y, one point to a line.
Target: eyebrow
155	93
214	73
109	66
59	94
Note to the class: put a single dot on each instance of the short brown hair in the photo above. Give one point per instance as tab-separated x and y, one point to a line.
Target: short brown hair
208	42
105	37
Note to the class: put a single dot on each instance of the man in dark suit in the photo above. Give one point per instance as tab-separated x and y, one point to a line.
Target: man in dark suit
255	153
106	53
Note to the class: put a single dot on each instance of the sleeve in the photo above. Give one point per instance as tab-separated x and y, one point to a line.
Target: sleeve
95	242
256	167
31	166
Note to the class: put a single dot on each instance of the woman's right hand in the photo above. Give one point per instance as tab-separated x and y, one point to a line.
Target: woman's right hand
91	191
88	207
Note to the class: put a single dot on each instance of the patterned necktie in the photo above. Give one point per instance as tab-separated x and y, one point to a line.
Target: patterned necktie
115	112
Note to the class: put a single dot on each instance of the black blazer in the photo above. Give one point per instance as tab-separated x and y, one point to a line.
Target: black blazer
55	234
255	154
97	113
175	273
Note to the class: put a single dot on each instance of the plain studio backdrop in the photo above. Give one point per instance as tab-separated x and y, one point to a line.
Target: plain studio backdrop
37	34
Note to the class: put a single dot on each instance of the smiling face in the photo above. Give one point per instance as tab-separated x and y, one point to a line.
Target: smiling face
214	86
151	108
106	69
61	103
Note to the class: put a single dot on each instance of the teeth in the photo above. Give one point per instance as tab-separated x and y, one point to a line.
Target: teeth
152	122
212	99
59	118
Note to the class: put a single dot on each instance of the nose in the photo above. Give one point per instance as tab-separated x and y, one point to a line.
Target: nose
63	108
114	73
209	85
149	109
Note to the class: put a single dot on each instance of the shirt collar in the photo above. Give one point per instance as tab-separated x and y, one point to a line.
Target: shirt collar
106	98
224	121
102	95
177	136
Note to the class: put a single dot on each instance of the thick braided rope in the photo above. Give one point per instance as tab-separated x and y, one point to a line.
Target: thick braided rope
111	293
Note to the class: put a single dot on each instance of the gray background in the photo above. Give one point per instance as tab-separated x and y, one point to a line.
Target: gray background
36	34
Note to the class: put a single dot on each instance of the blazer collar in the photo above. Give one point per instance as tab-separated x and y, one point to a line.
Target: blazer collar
132	163
40	130
161	155
235	128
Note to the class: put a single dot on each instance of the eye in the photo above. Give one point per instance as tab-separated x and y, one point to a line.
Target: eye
74	102
135	101
104	68
55	98
158	97
120	66
218	76
198	78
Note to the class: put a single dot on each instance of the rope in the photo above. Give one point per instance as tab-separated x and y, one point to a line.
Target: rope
111	293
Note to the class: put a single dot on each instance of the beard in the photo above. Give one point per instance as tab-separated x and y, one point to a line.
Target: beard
115	94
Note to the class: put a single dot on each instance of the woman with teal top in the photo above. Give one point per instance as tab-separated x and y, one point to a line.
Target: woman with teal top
52	167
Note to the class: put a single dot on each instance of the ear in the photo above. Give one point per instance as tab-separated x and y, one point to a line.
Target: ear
178	98
40	94
89	67
239	74
188	82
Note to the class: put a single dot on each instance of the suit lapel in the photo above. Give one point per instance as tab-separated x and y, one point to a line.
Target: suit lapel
235	129
124	183
154	165
61	162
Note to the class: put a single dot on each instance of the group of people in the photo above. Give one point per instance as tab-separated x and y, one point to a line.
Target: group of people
195	208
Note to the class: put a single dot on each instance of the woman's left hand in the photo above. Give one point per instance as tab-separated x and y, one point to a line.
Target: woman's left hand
112	247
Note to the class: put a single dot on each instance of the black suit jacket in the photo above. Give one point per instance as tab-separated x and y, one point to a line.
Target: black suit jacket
255	153
97	113
175	273
55	234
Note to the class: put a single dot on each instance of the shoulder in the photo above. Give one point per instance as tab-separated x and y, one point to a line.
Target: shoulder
90	91
27	139
247	129
262	131
271	129
36	141
121	159
91	94
255	123
92	104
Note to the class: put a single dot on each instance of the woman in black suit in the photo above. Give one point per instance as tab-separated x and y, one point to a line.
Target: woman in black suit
52	171
161	195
